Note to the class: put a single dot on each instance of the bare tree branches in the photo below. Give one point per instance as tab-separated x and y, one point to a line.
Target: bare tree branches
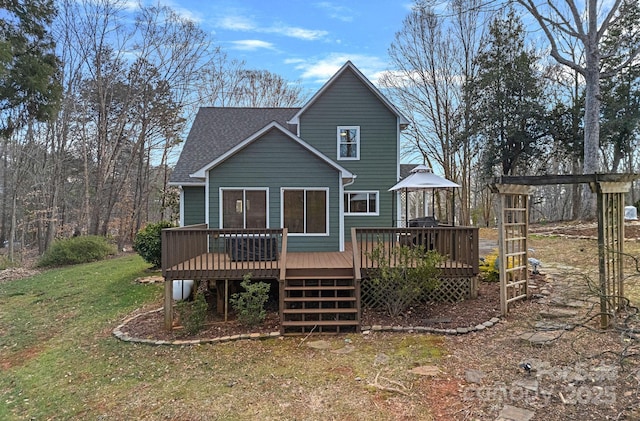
432	59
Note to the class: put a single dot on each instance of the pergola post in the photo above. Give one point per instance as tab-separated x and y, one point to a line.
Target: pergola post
610	214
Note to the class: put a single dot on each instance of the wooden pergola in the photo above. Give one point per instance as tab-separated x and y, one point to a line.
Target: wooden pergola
513	224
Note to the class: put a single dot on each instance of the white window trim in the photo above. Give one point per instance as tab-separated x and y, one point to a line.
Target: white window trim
367	192
305	189
244	190
181	204
357	157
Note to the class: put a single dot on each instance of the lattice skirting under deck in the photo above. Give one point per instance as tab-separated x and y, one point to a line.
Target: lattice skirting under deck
449	290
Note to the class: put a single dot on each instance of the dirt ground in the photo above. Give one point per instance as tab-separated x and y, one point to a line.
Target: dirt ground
579	229
586	373
438	315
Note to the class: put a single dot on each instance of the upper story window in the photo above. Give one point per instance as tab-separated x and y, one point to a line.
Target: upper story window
361	203
349	142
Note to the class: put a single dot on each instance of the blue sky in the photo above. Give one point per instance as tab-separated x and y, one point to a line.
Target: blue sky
304	41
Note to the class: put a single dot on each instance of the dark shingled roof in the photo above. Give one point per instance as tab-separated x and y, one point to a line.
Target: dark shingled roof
215	130
405	170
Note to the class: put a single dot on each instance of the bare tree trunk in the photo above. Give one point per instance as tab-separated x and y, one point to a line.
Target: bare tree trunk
57	152
5	188
587	31
12	226
591	109
576	193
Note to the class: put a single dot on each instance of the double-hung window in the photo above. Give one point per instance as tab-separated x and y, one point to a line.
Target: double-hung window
361	203
305	210
348	142
243	208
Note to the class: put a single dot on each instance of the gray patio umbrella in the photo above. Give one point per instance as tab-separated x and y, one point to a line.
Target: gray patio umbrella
421	178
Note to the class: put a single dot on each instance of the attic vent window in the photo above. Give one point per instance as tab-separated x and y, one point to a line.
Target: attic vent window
348	142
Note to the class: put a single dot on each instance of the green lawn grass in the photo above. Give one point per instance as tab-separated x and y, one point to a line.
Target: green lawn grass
58	360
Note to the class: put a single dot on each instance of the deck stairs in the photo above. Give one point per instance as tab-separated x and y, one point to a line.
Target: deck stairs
322	300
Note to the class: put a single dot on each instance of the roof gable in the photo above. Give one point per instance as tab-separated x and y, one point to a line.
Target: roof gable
215	130
348	66
201	172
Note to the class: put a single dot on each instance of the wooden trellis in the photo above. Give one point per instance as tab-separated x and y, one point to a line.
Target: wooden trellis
513	220
610	190
610	246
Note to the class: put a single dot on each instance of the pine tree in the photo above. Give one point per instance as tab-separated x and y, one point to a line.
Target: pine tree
507	96
620	124
29	68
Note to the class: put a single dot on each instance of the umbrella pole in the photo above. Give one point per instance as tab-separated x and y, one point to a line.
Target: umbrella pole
453	211
394	199
433	203
406	207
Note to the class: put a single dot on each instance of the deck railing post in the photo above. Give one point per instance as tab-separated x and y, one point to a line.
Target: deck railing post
168	283
168	304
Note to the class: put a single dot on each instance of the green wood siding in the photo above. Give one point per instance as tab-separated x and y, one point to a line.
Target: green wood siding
348	102
275	161
193	205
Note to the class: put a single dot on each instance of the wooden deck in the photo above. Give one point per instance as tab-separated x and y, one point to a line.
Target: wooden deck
219	266
458	246
314	260
228	255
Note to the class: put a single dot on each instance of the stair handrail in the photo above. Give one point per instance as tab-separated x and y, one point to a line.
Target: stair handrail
283	254
356	255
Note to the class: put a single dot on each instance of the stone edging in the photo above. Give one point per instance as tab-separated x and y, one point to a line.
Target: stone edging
422	329
119	334
575	237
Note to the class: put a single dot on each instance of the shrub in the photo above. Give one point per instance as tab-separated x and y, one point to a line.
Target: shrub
193	314
148	242
415	272
76	250
249	304
489	267
6	263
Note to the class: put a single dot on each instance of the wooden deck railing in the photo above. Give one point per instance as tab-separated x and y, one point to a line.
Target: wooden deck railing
196	252
458	246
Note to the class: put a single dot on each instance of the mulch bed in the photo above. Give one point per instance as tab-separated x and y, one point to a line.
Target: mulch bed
442	315
439	315
445	315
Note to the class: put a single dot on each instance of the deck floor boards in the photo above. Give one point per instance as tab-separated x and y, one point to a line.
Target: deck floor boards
302	260
212	262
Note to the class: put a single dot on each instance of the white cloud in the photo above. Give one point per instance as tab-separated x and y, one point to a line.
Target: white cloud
294	61
408	6
242	23
173	4
237	23
131	5
322	69
251	45
395	78
335	11
188	14
295	32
